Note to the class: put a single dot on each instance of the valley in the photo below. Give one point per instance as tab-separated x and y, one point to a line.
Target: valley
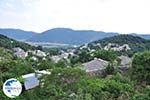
116	67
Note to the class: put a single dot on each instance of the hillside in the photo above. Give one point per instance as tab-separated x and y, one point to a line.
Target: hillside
17	34
69	36
62	35
10	43
123	39
134	42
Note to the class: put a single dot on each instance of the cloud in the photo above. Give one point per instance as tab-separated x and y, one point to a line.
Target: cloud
106	15
9	5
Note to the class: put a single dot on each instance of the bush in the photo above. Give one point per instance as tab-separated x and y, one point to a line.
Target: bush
106	55
141	67
110	69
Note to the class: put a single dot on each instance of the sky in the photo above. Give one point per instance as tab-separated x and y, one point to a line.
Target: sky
123	16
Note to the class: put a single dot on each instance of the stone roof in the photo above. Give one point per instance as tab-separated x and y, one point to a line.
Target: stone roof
125	63
31	79
95	65
125	60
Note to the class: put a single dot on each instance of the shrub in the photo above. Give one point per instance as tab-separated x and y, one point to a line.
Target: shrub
141	67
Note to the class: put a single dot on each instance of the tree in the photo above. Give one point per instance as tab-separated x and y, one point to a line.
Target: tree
110	69
141	67
106	55
44	64
59	84
39	48
62	63
85	57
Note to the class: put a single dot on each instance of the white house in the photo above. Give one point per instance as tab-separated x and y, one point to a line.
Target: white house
116	47
20	53
40	53
31	80
34	58
56	58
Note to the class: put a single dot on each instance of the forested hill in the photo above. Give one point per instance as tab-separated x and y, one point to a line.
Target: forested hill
123	39
10	43
136	43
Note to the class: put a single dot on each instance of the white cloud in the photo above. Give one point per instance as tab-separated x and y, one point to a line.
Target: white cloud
105	15
9	5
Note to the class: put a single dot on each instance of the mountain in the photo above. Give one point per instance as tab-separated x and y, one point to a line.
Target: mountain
69	36
145	36
136	43
8	43
123	39
61	35
17	34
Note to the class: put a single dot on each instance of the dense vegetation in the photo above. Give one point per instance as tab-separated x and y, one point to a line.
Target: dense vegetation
135	43
10	43
106	55
74	84
123	39
141	67
10	67
68	82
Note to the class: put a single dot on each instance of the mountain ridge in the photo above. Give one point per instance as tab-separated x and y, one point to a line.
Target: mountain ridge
136	43
61	35
17	34
69	36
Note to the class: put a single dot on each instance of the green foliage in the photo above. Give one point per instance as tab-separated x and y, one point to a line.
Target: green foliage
39	48
144	94
12	69
141	67
52	51
84	57
10	43
110	69
62	63
106	55
74	59
137	44
104	88
44	64
58	85
5	54
73	84
123	39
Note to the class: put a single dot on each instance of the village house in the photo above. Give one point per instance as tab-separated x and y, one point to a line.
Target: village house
38	53
20	53
31	80
34	58
125	63
116	47
56	58
95	67
64	55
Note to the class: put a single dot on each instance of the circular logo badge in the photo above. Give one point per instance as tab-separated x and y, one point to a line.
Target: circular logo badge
12	88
